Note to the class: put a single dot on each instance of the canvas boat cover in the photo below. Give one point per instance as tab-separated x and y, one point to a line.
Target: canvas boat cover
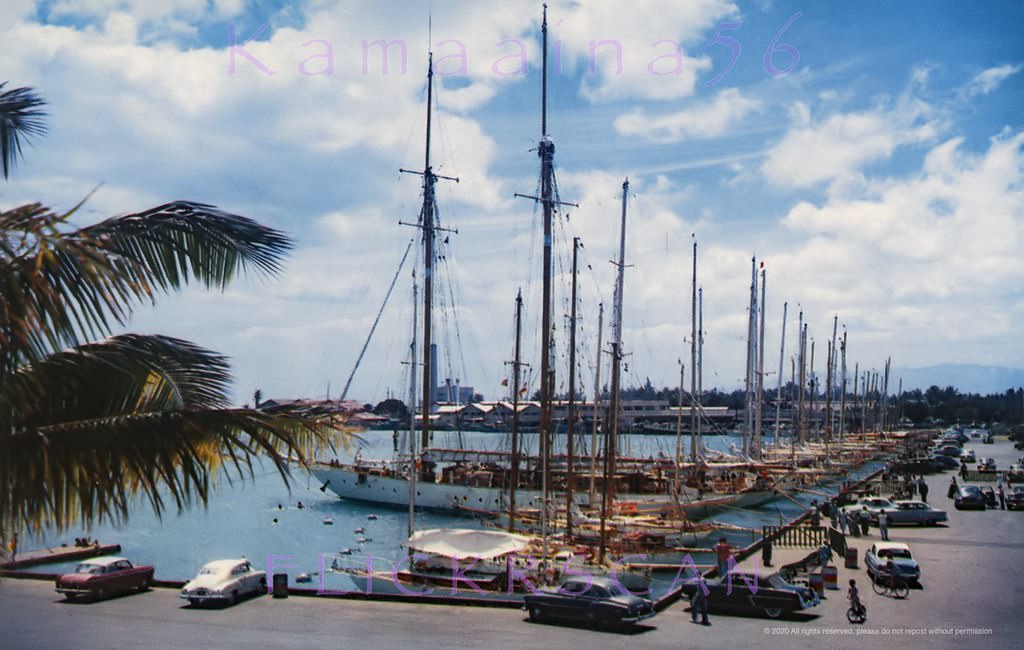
463	543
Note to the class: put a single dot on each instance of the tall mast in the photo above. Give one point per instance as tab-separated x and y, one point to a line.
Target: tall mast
570	459
693	358
760	368
679	424
802	364
748	432
832	351
597	405
842	389
612	427
698	408
428	215
514	471
782	360
546	153
412	418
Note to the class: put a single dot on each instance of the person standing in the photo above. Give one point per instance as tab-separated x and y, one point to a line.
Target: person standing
724	552
852	523
953	488
841	517
922	489
766	552
883	525
699	604
1002	497
865	521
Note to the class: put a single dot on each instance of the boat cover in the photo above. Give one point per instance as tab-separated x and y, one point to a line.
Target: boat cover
464	543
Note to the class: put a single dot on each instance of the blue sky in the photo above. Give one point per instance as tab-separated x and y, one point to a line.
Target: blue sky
879	177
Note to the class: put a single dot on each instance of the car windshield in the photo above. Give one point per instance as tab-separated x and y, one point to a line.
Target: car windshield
894	553
88	568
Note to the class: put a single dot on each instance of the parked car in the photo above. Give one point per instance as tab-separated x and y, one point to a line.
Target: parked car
968	456
946	462
987	440
952	451
100	577
915	512
874	506
921	465
988	465
877	557
1015	498
749	594
224	581
969	497
1015	473
596	600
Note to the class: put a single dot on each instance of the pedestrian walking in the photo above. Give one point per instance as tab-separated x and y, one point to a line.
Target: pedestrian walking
1002	497
883	525
824	555
865	521
724	552
963	470
766	552
699	604
852	523
953	488
922	489
841	516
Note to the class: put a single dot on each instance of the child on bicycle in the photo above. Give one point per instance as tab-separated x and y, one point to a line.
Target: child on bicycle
854	596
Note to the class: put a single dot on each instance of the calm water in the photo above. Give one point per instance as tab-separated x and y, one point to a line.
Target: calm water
240	518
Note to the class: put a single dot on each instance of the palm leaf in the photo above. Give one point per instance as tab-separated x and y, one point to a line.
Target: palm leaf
90	470
60	288
20	118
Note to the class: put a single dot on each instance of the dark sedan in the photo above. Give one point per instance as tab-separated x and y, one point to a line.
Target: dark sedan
1015	498
595	600
945	462
969	497
748	594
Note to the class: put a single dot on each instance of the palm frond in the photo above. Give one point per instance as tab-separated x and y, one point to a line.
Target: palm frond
60	288
126	374
90	470
20	117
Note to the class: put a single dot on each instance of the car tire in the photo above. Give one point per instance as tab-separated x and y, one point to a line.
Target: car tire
536	614
99	594
144	585
234	597
773	612
263	587
71	597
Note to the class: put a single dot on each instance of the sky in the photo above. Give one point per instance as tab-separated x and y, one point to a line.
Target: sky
869	154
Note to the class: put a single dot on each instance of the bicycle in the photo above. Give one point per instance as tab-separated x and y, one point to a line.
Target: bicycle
857	613
890	585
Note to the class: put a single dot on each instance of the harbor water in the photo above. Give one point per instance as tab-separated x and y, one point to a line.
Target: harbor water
302	529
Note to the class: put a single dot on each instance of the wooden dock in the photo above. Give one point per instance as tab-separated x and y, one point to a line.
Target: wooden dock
58	554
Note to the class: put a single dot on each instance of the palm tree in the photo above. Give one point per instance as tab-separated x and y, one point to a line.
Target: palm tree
85	426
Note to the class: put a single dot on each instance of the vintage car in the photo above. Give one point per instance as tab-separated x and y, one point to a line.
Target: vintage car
968	456
945	462
751	594
919	465
952	451
878	557
1015	473
987	440
100	577
969	497
915	512
224	581
990	496
874	506
596	600
988	465
1015	498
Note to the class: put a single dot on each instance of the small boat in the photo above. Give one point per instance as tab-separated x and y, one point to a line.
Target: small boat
371	517
345	551
363	540
328	521
359	531
305	577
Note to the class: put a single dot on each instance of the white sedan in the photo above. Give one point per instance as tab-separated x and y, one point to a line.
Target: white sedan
224	581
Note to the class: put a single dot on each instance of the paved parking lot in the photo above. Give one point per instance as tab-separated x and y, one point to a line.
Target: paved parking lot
970	596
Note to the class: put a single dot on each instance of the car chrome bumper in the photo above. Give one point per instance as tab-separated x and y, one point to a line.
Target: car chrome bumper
203	597
640	617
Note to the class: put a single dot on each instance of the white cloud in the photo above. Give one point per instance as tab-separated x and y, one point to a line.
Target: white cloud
990	79
837	147
709	119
